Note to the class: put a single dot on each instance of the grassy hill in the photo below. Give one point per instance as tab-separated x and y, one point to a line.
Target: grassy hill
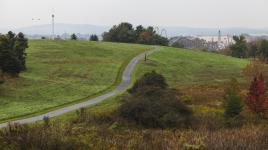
200	76
61	72
184	67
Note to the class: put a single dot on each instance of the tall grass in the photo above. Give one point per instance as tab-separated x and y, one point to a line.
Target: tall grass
72	137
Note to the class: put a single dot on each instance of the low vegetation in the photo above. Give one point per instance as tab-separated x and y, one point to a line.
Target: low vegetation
111	130
57	136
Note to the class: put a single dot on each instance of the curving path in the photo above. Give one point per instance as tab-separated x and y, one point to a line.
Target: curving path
126	81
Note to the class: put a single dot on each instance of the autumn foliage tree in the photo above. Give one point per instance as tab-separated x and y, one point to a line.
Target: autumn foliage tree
257	101
255	67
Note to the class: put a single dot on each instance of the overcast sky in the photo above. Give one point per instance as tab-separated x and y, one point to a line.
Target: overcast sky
192	13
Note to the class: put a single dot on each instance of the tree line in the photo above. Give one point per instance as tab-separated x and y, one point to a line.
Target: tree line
126	33
244	49
12	53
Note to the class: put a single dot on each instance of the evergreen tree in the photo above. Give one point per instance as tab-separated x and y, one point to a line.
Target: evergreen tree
10	64
94	37
264	49
20	46
12	53
239	49
73	37
233	100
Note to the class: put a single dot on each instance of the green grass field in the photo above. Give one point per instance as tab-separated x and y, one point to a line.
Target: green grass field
201	76
183	67
61	72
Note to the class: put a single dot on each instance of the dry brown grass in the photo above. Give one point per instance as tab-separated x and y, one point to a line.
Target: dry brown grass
64	137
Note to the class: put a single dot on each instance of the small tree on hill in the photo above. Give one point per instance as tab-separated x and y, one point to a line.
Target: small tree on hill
233	100
94	37
239	49
73	37
257	100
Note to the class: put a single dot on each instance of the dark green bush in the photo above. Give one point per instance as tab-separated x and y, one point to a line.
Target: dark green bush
151	104
151	79
94	37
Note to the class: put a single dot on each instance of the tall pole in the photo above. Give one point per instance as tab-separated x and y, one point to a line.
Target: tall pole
219	36
53	26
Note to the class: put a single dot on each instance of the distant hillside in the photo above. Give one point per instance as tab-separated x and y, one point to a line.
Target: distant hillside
186	31
63	28
95	29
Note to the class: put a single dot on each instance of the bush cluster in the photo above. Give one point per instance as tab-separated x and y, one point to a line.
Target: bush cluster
152	104
94	37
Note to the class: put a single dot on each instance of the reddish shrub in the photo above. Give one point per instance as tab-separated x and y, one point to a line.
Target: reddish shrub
257	100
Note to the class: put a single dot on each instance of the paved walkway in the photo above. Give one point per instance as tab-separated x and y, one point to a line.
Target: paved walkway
126	81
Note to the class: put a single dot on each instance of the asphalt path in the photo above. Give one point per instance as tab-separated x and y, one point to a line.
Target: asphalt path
125	83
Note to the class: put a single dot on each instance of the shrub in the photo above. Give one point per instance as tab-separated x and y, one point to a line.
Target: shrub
73	37
257	100
94	37
151	104
151	79
233	100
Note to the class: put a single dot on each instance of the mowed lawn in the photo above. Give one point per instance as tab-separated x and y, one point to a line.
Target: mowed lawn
183	67
61	72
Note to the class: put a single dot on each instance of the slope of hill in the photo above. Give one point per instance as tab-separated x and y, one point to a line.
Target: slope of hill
61	72
183	67
200	76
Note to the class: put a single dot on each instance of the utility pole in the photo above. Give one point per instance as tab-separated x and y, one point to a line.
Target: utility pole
53	27
219	37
